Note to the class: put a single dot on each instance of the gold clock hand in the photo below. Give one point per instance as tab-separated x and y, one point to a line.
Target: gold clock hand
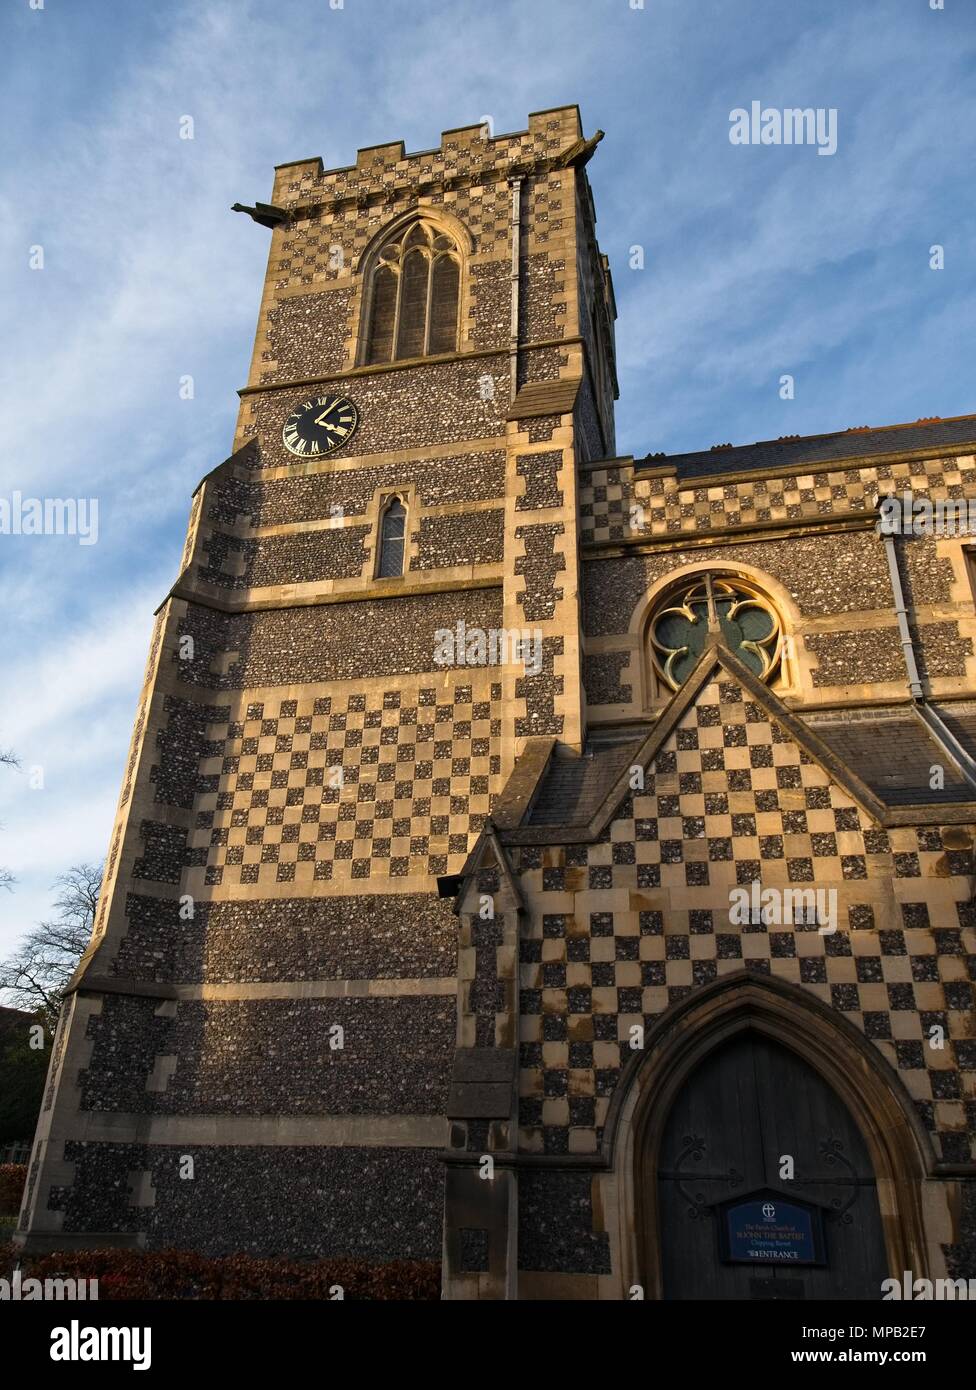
320	419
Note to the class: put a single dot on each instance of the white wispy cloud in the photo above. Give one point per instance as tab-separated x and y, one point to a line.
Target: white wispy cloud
67	708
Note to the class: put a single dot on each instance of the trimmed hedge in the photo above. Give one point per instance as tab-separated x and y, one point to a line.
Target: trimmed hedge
13	1176
176	1274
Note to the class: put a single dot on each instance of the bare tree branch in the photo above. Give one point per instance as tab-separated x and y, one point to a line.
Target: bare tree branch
35	975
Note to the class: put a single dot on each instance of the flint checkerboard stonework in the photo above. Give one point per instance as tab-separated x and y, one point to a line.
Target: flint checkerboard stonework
400	953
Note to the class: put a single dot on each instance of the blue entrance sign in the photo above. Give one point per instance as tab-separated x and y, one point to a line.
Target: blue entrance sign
765	1228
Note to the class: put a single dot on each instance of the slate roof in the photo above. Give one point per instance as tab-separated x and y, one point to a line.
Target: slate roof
890	749
961	719
893	752
936	436
574	787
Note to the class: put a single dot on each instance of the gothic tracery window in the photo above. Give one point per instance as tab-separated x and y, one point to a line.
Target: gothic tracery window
392	538
413	295
748	621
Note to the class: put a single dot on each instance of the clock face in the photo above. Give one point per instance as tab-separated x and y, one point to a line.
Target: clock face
320	425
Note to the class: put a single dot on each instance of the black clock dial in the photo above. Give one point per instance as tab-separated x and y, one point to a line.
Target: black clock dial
319	426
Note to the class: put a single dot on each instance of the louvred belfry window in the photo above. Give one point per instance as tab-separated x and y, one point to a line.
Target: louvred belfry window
414	292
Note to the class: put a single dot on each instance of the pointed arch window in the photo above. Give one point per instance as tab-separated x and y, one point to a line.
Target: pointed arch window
414	292
393	523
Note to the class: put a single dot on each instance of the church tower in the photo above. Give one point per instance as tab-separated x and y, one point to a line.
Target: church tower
555	864
377	609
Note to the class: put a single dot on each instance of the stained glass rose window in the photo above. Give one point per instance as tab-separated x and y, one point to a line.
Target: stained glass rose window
749	624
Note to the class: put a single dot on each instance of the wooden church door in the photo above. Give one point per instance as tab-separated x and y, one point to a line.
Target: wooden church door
731	1225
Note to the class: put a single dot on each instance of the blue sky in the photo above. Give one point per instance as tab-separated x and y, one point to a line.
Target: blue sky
759	261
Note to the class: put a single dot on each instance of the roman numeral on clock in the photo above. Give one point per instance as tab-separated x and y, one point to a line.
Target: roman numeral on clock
319	425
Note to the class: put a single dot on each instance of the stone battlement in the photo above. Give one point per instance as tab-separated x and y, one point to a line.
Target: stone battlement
462	153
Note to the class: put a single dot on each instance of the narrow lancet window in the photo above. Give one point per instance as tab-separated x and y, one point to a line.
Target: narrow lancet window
392	537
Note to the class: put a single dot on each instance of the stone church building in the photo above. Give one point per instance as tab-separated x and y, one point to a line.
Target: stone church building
552	862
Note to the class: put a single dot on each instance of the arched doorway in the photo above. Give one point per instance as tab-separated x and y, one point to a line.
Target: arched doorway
732	1221
851	1068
